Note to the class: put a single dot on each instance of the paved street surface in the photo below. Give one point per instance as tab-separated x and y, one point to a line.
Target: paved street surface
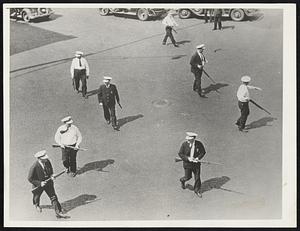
131	174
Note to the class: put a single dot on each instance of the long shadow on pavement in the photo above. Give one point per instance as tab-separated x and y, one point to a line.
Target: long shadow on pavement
96	165
213	183
228	27
214	87
74	203
128	119
260	123
184	42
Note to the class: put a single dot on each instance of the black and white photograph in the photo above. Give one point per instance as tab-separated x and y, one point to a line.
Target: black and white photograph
149	115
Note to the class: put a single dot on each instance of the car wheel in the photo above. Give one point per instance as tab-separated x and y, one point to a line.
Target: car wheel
103	11
25	16
142	14
184	13
237	14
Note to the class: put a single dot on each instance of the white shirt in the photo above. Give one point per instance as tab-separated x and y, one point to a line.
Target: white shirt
243	93
76	65
202	57
169	21
70	137
192	150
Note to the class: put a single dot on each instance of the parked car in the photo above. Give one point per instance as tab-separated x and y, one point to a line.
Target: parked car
143	14
234	14
28	14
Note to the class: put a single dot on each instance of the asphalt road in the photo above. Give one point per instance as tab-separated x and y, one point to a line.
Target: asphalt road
131	174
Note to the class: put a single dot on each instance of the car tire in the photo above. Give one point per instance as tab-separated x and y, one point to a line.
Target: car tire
237	14
104	11
142	14
184	13
25	16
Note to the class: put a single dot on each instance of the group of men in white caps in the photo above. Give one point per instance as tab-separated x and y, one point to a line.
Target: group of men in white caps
68	136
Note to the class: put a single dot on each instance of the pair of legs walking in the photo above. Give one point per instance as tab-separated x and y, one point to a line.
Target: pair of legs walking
244	107
217	22
169	35
80	75
197	82
49	189
110	115
69	159
188	175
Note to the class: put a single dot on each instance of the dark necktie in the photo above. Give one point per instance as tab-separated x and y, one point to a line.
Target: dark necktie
80	63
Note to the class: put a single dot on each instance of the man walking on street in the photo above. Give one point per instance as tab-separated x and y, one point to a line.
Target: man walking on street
191	152
170	23
243	101
68	135
39	174
210	11
197	63
80	72
107	97
218	18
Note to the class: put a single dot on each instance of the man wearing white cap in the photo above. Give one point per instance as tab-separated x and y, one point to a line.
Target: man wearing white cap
40	171
68	135
107	97
197	63
191	151
80	71
243	101
170	23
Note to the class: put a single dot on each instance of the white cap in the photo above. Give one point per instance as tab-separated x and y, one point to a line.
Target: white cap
78	53
201	46
191	135
41	154
67	120
107	77
246	79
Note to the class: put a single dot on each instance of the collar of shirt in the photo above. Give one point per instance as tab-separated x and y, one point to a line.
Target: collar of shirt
107	86
41	164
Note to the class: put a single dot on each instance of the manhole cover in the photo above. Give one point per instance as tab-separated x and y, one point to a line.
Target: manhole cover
160	103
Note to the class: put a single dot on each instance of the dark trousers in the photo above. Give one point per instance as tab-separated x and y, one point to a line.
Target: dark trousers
188	175
69	158
80	75
110	114
169	34
210	11
217	21
244	107
49	189
197	81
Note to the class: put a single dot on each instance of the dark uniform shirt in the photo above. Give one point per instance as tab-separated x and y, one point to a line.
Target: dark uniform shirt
108	95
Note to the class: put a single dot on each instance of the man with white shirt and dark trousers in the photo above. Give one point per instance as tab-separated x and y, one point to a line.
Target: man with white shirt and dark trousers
197	63
191	152
243	101
170	23
80	72
69	135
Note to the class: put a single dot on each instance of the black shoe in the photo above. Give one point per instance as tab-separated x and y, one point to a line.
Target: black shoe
176	45
214	29
237	124
242	129
202	95
61	215
163	43
38	208
85	96
198	194
78	91
183	185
